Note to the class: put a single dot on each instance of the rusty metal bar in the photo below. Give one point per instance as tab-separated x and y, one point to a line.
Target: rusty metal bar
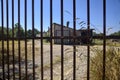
65	37
13	49
7	23
25	24
19	49
2	21
51	43
104	38
62	47
41	21
62	37
107	37
88	47
33	42
74	45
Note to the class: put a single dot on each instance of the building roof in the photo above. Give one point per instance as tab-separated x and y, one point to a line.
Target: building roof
60	25
71	28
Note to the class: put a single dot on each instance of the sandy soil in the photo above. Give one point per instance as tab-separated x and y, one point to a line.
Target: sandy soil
81	62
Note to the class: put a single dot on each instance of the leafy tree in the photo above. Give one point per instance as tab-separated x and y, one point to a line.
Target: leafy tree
36	31
18	31
1	34
10	32
30	32
5	35
116	33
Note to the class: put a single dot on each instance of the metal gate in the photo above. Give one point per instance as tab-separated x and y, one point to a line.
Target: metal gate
8	44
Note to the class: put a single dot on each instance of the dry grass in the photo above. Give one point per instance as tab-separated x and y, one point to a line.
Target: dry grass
108	42
112	60
112	64
16	48
16	53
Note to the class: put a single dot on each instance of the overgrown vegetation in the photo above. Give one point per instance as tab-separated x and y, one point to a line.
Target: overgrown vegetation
16	59
18	32
116	33
112	64
109	42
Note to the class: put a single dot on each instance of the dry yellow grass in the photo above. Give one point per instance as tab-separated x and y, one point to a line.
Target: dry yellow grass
112	64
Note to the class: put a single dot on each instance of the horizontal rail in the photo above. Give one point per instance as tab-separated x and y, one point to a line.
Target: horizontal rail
72	37
63	37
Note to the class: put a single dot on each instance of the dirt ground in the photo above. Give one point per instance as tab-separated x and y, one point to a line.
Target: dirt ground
81	62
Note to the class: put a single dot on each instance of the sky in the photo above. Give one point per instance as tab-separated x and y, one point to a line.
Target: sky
96	14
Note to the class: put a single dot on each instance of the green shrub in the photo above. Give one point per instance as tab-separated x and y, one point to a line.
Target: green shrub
112	64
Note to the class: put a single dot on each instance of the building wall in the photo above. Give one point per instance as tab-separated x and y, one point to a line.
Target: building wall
67	31
56	31
57	27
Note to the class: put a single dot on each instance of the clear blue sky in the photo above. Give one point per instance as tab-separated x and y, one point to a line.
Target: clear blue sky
96	13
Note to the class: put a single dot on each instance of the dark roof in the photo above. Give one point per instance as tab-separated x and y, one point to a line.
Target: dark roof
63	25
72	28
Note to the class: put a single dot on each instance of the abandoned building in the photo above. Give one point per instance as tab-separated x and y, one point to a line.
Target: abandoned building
69	32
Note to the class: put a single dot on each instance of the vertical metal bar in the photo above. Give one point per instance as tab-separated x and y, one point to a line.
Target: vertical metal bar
74	33
62	47
33	46
13	53
2	21
104	38
25	24
51	46
7	23
41	21
19	49
88	47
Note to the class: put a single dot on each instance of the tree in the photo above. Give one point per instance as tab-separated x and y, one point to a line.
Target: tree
36	31
10	32
18	31
4	33
30	32
116	33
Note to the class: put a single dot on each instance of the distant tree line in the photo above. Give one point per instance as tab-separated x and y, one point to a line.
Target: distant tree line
18	31
112	34
116	33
